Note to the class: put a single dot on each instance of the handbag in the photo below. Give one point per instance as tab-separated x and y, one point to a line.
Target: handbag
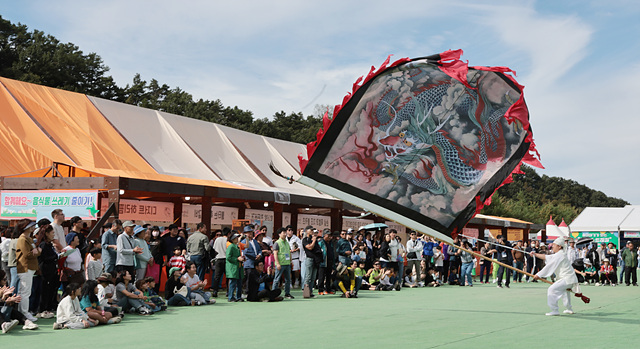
183	291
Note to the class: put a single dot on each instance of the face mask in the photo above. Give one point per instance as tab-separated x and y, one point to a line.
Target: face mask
155	233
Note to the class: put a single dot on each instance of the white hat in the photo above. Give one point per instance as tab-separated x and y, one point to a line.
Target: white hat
560	242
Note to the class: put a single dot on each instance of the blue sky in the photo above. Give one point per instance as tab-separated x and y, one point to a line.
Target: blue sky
578	60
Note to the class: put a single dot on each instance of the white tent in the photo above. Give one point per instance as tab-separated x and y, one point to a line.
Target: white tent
632	221
600	219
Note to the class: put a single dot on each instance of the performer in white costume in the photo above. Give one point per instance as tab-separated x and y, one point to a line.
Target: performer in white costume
558	263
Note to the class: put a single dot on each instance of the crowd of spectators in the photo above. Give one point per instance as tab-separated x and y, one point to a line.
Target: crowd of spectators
120	272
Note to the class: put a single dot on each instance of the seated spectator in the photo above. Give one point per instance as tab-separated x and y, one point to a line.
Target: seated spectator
345	277
388	281
143	286
130	298
607	274
90	304
432	279
258	285
360	272
151	294
410	279
69	314
374	274
178	260
9	314
197	287
106	290
175	291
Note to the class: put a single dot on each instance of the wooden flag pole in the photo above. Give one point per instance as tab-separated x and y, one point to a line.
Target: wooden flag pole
579	295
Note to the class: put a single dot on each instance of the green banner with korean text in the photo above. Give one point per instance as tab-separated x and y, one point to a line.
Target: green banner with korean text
598	237
37	204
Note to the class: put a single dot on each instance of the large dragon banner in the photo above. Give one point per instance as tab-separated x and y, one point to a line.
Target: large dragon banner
423	142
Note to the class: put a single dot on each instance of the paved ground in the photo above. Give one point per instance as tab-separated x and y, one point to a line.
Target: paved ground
446	317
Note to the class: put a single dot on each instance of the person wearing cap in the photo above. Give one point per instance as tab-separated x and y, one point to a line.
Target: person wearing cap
126	250
252	251
176	293
558	264
26	263
589	274
233	268
197	247
607	273
345	277
58	218
106	289
143	258
109	245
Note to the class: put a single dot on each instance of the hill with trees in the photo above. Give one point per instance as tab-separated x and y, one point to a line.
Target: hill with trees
36	57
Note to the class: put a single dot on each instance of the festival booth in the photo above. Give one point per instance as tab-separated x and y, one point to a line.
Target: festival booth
602	224
629	229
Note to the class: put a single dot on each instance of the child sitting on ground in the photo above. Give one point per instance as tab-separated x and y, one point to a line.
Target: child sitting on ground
143	286
69	313
152	295
410	279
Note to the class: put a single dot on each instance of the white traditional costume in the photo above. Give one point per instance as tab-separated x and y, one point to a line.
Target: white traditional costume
558	264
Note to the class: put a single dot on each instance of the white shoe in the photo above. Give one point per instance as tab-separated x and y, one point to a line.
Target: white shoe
29	325
47	315
553	313
586	283
212	301
568	311
7	326
597	284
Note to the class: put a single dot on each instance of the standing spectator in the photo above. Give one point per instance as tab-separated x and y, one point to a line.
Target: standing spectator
178	260
282	260
313	252
612	254
503	257
71	262
59	241
233	269
466	260
95	266
594	256
385	251
295	245
197	247
267	239
171	240
485	268
414	253
326	266
438	262
109	245
77	227
26	264
344	249
518	260
4	249
427	251
48	265
630	257
394	248
572	252
252	252
156	246
529	259
126	250
220	248
144	257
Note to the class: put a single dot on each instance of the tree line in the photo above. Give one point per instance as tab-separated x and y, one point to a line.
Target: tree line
34	56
